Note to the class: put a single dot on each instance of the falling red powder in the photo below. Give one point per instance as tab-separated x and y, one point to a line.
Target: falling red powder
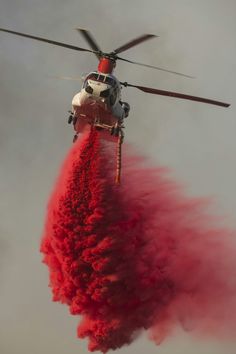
135	256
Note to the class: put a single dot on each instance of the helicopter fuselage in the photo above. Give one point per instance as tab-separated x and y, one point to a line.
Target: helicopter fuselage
99	103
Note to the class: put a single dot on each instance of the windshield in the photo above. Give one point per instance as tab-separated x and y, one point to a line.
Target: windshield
101	78
110	81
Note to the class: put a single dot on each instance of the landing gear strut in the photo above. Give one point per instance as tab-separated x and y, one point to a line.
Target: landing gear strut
117	129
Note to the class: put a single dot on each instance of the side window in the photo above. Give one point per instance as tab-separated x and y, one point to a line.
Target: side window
113	97
85	83
110	81
92	76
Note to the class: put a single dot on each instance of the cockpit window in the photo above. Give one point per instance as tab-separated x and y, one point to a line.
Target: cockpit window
101	78
110	81
92	76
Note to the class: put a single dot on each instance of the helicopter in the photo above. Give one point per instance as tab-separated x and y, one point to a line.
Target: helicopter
99	103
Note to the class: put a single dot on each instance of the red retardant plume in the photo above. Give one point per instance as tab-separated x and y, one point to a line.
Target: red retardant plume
135	256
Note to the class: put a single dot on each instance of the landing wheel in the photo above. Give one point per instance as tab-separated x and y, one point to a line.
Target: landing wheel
70	119
75	138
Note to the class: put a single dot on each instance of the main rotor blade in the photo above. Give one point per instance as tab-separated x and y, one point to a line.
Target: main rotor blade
155	67
177	95
48	41
134	42
66	78
90	40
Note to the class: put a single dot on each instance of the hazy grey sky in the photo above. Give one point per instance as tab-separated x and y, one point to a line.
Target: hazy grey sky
195	140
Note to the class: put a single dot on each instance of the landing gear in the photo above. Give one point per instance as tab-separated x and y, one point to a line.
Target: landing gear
72	118
117	128
75	137
126	108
